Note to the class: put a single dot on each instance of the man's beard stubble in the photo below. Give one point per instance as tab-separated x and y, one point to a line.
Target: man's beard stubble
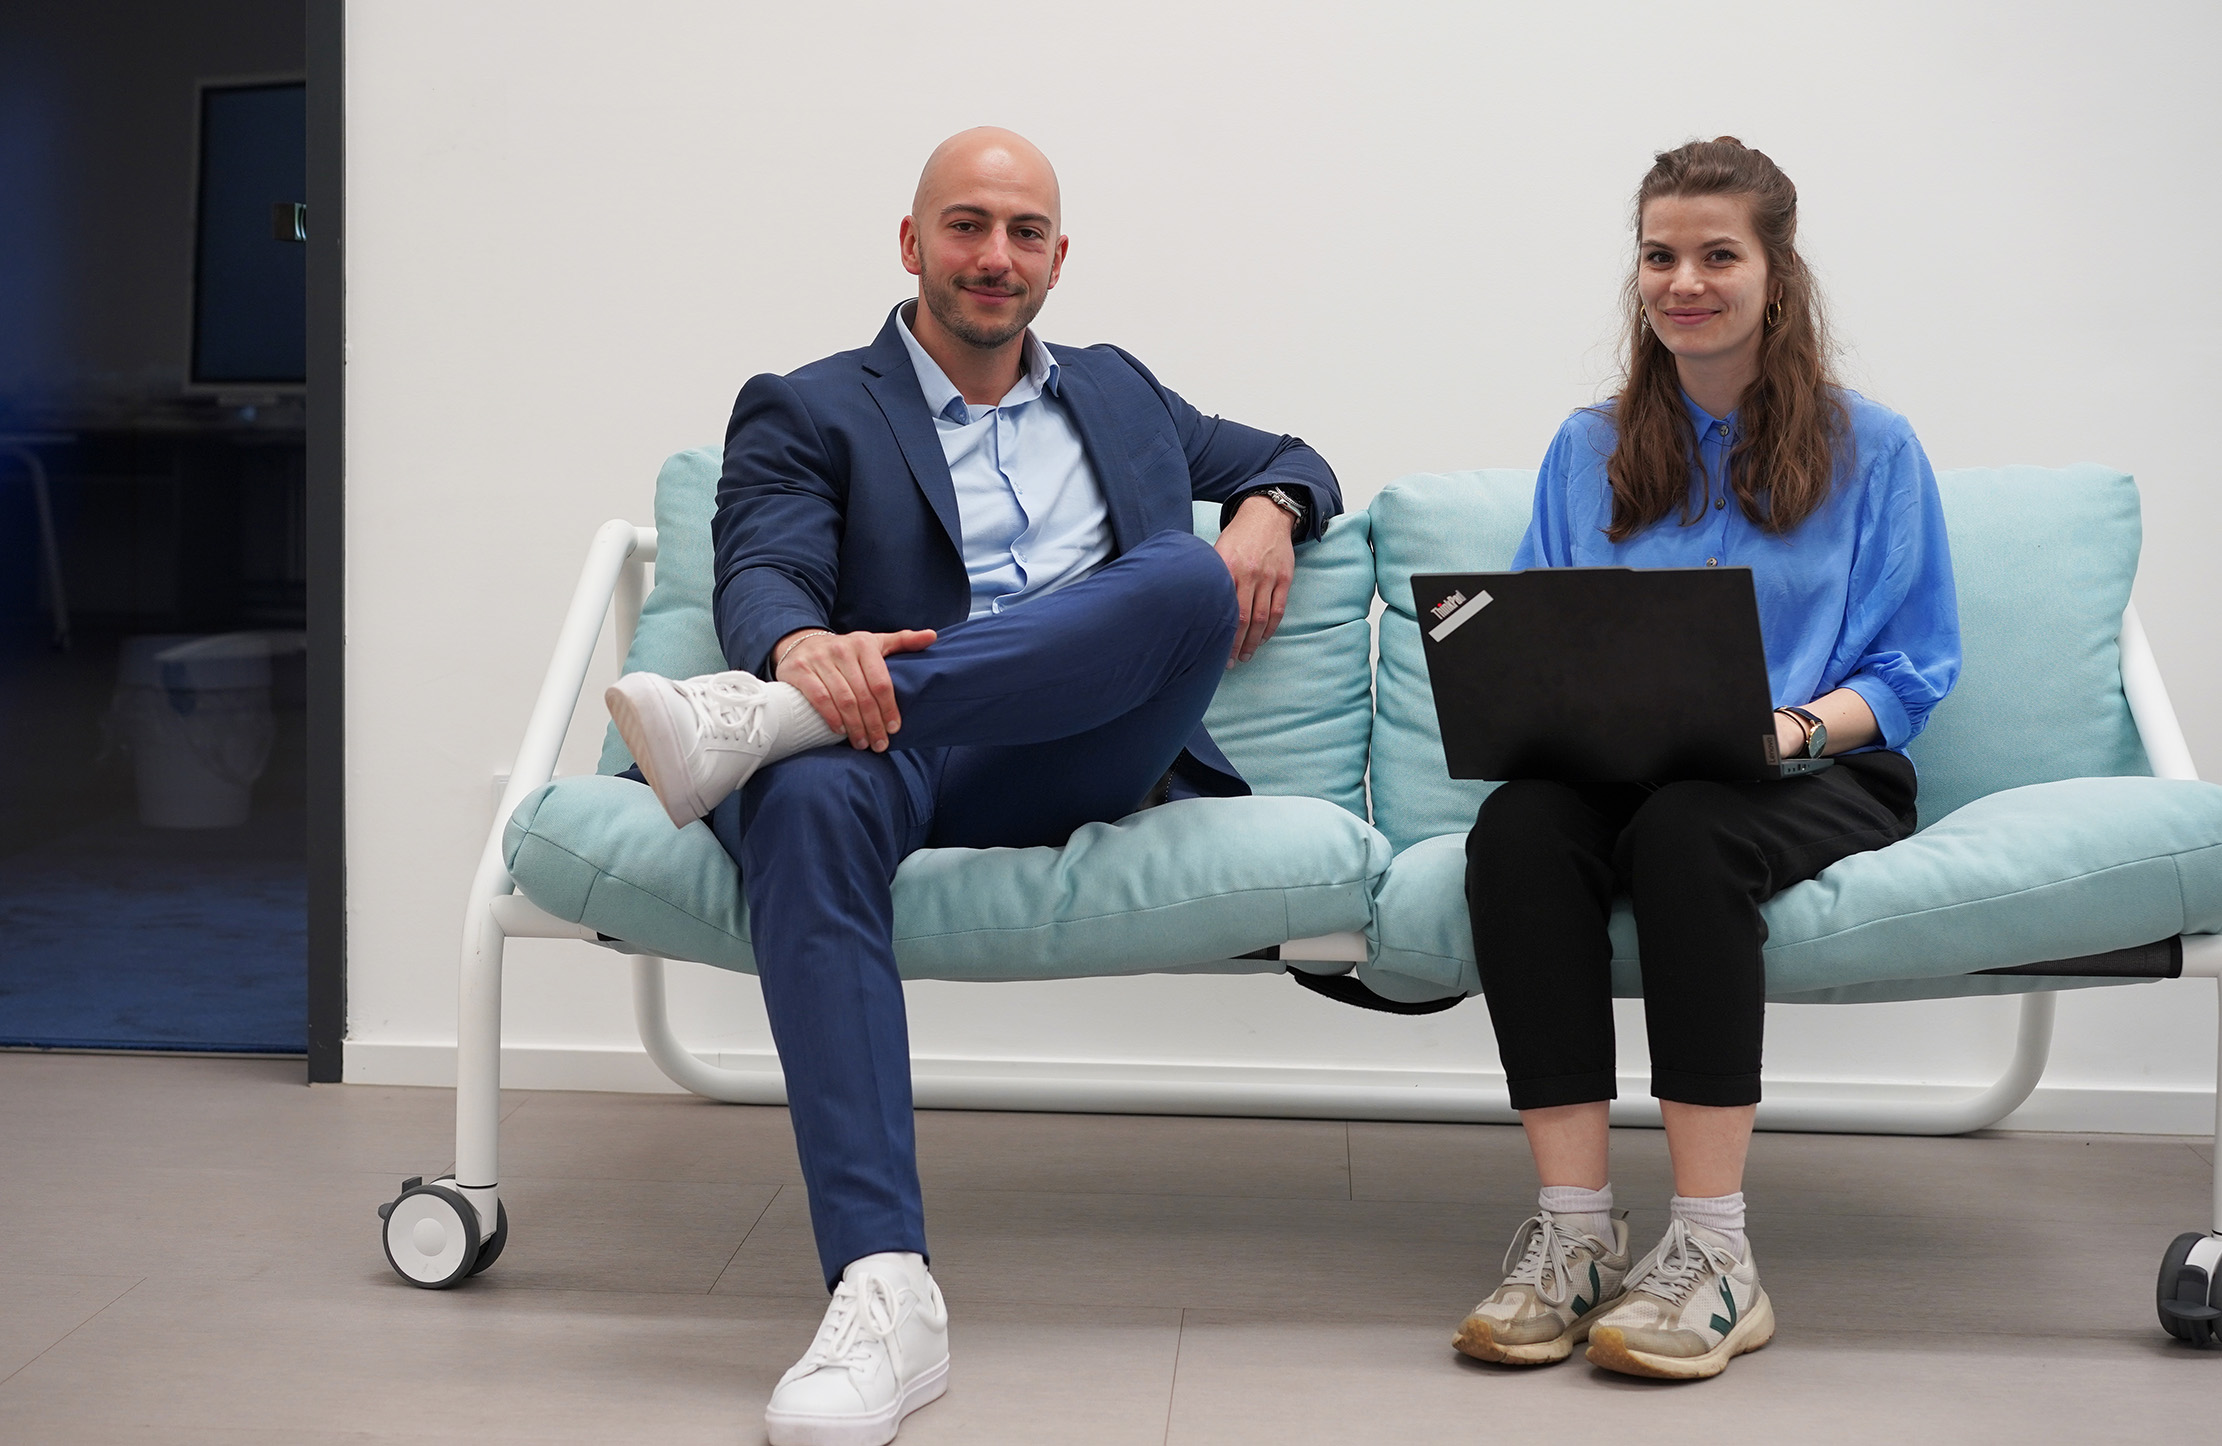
942	301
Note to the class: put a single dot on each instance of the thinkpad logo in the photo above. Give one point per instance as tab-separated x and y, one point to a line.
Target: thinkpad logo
1454	610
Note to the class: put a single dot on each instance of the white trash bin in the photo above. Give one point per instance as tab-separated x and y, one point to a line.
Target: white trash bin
195	712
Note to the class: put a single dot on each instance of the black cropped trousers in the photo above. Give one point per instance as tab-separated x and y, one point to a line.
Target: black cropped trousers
1697	859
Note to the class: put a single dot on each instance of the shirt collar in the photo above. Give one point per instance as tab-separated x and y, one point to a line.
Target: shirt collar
1041	373
1705	422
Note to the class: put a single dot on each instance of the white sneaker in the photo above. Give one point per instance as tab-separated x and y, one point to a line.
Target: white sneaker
1691	1307
881	1353
1555	1285
696	739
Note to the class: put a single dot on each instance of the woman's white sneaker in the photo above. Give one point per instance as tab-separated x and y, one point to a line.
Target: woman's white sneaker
881	1352
1692	1306
1556	1284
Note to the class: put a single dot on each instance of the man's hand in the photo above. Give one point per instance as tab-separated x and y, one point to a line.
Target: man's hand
844	675
1257	548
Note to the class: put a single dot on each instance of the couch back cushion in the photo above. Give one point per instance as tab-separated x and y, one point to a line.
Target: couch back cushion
677	636
2043	559
1296	718
1430	522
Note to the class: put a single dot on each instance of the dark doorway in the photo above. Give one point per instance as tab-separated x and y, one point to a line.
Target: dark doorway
155	535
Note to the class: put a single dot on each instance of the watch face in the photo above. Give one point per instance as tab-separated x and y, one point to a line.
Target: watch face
1820	740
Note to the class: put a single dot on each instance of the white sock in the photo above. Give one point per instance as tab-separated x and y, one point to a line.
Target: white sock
909	1262
1583	1212
1722	1214
800	726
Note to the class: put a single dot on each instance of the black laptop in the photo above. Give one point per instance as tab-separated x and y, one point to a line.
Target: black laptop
1601	675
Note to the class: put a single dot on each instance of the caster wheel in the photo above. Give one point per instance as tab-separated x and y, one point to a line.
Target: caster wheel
431	1234
2189	1291
491	1250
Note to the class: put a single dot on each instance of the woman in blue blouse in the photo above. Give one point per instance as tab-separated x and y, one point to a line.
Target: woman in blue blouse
1729	444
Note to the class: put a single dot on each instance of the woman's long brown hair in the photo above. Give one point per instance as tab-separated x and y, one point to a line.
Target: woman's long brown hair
1791	417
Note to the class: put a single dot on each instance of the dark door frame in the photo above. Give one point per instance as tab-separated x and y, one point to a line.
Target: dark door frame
327	537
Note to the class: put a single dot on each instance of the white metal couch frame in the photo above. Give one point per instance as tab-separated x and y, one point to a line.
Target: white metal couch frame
613	584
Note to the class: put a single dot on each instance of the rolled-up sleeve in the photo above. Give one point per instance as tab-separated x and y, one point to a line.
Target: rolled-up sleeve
1905	619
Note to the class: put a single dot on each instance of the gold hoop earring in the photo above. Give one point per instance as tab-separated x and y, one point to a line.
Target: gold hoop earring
1774	313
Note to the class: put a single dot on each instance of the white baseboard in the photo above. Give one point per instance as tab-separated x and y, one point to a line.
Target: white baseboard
1118	1086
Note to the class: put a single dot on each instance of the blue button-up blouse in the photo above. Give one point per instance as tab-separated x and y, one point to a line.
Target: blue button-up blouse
1857	596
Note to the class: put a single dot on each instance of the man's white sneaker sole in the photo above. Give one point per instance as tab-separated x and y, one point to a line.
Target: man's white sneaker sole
1610	1349
790	1428
647	711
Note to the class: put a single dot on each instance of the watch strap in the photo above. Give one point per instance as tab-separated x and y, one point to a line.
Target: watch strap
1816	732
1280	497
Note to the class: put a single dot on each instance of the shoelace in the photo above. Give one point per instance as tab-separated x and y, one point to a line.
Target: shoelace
1542	1251
1681	1262
858	1317
731	712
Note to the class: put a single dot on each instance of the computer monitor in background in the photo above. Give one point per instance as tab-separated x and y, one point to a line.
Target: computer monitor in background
250	275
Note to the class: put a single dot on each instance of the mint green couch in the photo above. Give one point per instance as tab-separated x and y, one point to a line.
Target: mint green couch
2049	849
2045	838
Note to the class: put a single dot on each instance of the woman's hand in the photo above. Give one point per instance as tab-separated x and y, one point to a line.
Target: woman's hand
1789	737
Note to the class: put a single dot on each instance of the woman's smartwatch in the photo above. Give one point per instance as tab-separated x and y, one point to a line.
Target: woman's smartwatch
1816	732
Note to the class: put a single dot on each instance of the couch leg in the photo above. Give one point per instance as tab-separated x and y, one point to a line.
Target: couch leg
2032	1047
478	1056
652	1012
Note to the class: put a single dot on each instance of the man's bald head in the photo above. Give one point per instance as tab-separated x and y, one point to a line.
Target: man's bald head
990	157
983	239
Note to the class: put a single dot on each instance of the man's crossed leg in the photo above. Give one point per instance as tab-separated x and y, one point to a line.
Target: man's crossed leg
1016	729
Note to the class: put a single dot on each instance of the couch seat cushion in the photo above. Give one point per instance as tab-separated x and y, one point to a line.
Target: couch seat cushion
1192	882
2046	871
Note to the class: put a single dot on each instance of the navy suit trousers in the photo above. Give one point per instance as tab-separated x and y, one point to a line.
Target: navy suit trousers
1017	728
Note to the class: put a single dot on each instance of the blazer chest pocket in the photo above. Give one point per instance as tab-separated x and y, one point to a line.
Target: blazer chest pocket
1157	462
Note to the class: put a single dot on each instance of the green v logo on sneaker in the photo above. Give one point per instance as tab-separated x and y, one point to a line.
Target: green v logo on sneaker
1729	1300
1596	1288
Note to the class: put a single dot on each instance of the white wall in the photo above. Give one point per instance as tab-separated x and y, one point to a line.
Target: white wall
1394	229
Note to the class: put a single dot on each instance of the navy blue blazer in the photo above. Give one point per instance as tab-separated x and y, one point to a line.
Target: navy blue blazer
836	510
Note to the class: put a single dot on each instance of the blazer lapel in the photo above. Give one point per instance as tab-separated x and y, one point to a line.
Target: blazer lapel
1090	412
893	385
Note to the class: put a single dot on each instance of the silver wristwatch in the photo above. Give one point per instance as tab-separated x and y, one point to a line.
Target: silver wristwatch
1280	498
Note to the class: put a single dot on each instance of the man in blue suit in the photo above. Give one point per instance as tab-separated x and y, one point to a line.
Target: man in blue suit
967	556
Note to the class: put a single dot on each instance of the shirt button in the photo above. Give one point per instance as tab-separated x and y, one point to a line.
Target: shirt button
1722	428
1719	503
1712	562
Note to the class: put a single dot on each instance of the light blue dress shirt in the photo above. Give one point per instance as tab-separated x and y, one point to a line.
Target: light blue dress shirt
1028	503
1859	595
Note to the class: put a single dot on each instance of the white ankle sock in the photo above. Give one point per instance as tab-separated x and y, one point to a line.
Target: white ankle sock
909	1262
1585	1212
1721	1213
801	727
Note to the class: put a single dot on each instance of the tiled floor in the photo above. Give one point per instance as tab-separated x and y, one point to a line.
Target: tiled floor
188	1253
